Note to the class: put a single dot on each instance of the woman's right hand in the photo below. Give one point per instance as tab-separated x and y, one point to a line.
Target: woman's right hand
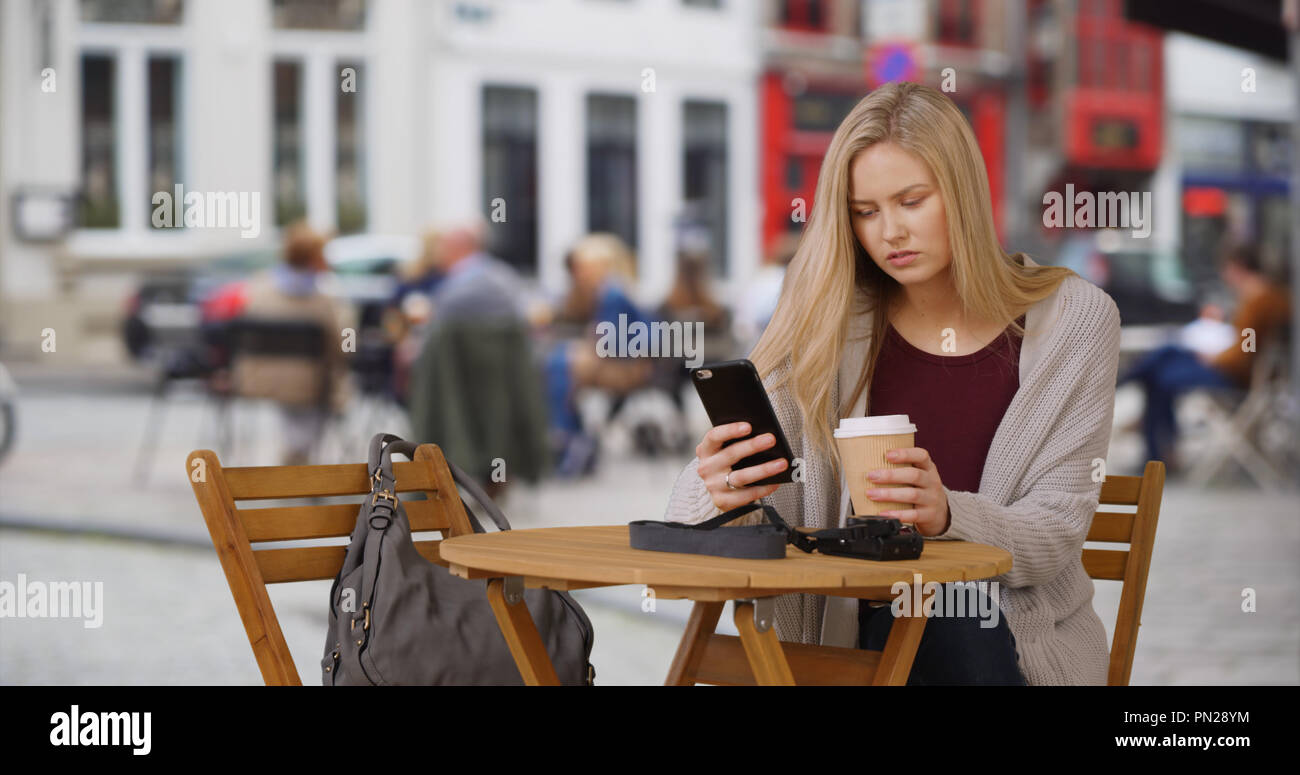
716	462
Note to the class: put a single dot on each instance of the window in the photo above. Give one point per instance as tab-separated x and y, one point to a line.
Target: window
1211	144
816	111
350	151
133	11
510	173
794	173
98	206
704	173
958	22
287	146
803	14
345	15
611	166
1269	146
319	130
164	126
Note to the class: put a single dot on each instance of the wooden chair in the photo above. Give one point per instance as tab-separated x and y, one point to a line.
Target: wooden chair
718	659
248	570
1130	567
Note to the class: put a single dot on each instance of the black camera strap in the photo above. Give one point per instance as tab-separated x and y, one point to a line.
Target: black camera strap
756	542
800	540
873	538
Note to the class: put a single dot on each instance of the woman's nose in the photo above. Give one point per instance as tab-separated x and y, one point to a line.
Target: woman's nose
892	228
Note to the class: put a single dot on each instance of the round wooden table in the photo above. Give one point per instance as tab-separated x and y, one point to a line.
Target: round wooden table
567	558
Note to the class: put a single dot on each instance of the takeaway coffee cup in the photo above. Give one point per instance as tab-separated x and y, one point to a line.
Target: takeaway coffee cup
863	442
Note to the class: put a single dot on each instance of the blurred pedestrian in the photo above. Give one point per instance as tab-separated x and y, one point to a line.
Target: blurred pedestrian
691	303
691	299
757	299
410	308
308	386
600	270
1263	312
475	390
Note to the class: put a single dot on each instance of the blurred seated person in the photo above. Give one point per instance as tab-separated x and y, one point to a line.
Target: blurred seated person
410	308
600	272
691	301
475	389
757	299
309	386
1210	334
1169	371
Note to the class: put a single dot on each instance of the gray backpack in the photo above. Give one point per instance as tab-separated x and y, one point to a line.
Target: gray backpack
396	618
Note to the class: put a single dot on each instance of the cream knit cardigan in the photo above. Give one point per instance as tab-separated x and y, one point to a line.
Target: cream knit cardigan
1037	494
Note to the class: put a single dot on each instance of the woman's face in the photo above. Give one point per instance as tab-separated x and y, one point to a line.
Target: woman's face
587	274
896	208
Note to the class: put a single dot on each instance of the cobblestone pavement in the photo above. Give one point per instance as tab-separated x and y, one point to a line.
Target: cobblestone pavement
169	619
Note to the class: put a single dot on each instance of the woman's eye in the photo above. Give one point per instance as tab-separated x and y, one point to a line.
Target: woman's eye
866	213
912	203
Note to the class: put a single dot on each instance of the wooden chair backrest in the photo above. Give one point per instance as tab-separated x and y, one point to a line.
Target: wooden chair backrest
248	570
1130	567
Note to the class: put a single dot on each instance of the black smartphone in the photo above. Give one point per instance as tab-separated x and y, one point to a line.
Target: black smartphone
732	392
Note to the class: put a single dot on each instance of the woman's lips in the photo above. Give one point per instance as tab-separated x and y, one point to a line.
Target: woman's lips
903	260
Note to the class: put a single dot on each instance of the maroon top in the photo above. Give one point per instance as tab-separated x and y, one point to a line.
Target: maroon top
956	401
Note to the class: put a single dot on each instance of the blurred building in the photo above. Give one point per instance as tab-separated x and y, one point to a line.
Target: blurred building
1098	128
821	56
550	118
652	119
1070	86
1228	166
637	117
106	104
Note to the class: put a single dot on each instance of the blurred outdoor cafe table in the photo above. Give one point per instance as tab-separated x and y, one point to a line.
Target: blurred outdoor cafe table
568	558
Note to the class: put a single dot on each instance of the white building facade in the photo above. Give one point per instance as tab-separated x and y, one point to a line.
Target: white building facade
383	116
599	88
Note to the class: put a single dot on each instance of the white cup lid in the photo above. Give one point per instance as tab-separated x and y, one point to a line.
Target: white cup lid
880	425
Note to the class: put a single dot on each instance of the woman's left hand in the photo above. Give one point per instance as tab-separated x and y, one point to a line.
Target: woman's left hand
930	503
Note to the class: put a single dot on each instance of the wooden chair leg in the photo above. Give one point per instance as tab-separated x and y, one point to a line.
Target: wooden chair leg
521	635
900	649
703	621
763	649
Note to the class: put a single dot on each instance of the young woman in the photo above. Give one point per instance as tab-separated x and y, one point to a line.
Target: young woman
900	300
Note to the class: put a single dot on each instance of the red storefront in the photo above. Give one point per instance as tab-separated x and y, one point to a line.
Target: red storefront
1109	116
798	124
1114	102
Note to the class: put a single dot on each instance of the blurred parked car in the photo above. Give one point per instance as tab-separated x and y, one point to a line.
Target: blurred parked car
1150	287
166	312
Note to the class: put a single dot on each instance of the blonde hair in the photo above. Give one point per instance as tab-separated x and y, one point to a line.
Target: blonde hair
608	250
811	321
428	260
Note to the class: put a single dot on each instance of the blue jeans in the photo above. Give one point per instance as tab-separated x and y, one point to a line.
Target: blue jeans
1166	373
560	406
954	650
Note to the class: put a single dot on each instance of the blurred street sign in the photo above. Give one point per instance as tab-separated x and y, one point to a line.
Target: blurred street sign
891	62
